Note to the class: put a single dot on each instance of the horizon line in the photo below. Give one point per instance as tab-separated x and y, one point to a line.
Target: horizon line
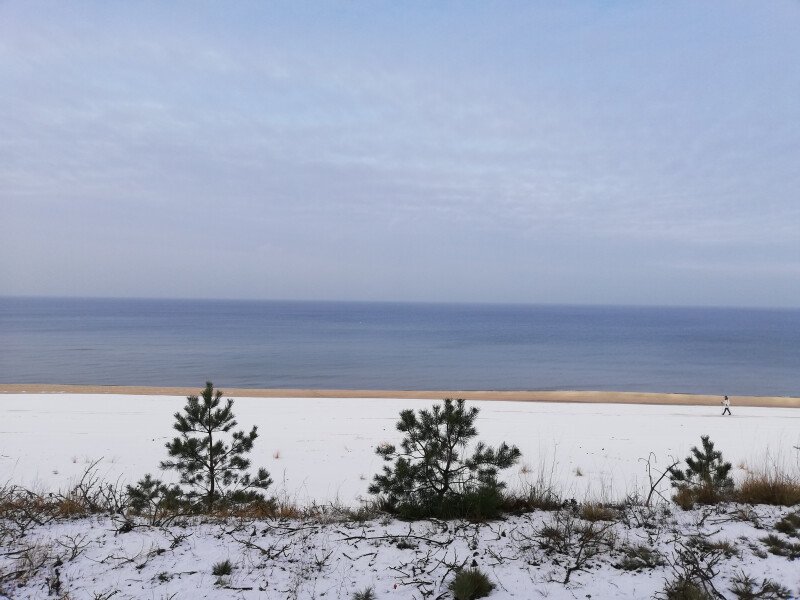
417	302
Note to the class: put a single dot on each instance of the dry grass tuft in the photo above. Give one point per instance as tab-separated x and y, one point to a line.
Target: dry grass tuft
597	512
769	487
705	495
23	509
534	498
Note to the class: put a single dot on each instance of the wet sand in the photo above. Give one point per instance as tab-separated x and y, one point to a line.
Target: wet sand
488	395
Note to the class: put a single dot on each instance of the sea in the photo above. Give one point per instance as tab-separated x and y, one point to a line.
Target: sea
393	346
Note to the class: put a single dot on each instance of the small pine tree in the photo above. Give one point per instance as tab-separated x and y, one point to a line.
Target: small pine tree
432	474
706	478
153	496
214	470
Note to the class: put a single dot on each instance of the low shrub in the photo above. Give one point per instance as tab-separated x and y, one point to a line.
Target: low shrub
683	588
696	564
746	588
790	524
21	509
365	594
221	569
469	584
577	541
639	557
728	549
780	547
152	498
482	504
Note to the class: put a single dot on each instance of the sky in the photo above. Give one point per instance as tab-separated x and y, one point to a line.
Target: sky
529	152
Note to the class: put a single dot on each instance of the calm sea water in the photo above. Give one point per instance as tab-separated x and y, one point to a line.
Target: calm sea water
399	346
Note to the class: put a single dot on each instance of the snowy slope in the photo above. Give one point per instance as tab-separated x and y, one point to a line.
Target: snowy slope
313	560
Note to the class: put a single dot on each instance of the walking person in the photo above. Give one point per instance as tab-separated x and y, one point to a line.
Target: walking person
727	404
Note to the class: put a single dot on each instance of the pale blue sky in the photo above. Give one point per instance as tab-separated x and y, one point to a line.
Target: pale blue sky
578	152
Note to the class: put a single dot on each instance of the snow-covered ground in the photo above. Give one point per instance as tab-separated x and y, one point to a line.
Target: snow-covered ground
282	560
324	449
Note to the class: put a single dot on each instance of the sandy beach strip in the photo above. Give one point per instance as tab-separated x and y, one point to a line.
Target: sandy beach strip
487	395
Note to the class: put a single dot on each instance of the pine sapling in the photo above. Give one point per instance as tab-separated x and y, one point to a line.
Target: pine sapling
706	478
211	458
432	472
159	501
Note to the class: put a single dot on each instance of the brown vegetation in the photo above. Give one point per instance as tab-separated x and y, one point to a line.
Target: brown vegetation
769	487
